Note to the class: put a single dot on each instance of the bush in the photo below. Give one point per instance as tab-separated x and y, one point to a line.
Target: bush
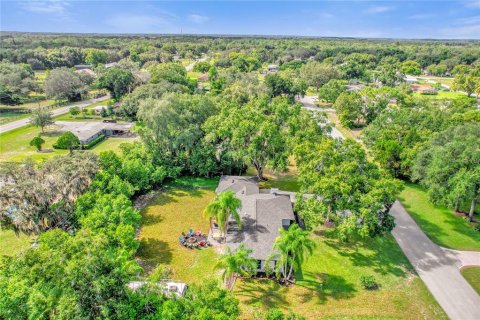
368	282
94	142
67	141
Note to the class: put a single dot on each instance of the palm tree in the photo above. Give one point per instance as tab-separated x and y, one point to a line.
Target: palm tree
237	263
220	209
292	246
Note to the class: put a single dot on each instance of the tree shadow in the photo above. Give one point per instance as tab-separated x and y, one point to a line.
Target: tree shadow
153	251
268	292
324	286
382	255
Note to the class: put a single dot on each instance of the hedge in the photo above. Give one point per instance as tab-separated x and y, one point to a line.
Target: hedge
95	141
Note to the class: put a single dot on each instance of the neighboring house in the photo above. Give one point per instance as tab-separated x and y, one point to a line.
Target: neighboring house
87	131
203	78
86	71
410	79
169	288
98	109
110	65
423	88
83	66
263	213
272	68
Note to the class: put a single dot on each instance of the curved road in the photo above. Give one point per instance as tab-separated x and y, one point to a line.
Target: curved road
439	268
56	112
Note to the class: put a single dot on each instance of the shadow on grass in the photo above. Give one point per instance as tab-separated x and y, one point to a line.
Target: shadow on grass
444	215
382	255
324	286
154	251
267	292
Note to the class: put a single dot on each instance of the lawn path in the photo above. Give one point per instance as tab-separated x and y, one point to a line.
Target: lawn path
437	267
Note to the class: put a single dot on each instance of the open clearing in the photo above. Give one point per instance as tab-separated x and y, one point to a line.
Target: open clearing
10	244
439	223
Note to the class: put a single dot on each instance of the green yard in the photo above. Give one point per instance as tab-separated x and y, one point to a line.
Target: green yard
472	275
14	145
441	95
439	223
328	285
177	209
10	244
443	80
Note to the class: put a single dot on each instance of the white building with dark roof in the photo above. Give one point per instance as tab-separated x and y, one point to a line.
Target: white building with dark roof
263	213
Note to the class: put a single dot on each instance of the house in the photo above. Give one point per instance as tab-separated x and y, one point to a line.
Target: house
88	131
171	288
272	68
86	72
83	66
410	79
98	109
263	213
423	88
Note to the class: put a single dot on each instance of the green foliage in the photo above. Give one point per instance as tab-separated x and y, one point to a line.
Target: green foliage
74	111
293	246
96	56
94	142
236	263
202	66
317	74
332	90
117	81
368	282
343	180
220	209
349	109
37	142
16	82
448	166
41	117
68	141
411	67
63	83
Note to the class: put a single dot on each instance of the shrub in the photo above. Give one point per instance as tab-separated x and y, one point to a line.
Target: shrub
37	142
67	141
368	282
94	142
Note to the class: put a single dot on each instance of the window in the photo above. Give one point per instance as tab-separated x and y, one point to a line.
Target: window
259	264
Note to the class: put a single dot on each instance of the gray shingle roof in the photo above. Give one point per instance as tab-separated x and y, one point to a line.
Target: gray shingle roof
261	214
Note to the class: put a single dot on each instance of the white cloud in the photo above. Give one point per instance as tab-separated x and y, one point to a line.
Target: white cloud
473	4
198	18
378	9
56	7
421	16
463	28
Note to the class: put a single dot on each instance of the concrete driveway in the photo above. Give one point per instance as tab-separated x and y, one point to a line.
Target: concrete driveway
56	112
438	267
308	103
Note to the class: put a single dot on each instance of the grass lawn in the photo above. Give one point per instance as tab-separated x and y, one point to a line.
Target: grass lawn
439	223
14	145
286	181
178	208
80	117
10	244
329	287
472	275
447	95
443	80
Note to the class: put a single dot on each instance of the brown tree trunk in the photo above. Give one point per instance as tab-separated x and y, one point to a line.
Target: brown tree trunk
457	205
472	209
259	170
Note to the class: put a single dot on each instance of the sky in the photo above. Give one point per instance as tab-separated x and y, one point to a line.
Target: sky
363	19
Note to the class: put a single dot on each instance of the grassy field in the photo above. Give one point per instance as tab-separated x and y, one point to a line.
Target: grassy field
10	244
439	223
441	95
472	275
175	210
14	145
329	286
81	117
443	80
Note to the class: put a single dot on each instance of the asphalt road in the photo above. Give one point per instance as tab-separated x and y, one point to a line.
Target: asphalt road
56	112
437	267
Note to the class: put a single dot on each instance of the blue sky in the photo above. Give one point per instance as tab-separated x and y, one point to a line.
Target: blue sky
376	19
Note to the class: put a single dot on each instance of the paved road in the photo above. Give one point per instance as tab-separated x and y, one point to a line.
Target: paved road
437	267
56	112
191	65
308	103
